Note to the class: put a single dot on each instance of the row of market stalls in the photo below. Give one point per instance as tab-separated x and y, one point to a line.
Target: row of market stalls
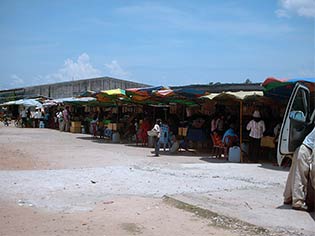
182	107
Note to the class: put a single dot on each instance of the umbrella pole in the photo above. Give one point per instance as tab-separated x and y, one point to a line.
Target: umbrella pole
117	118
241	130
165	114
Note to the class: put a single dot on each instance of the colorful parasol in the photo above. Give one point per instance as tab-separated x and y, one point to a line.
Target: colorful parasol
112	95
282	88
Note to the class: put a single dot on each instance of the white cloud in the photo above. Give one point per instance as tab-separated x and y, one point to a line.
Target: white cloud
16	81
81	69
115	70
301	7
75	70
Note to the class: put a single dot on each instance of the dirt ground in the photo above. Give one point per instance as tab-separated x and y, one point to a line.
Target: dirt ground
56	183
121	216
36	151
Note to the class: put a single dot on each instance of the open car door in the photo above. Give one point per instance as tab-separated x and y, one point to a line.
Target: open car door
296	122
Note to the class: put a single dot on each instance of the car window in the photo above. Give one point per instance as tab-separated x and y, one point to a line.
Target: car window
300	102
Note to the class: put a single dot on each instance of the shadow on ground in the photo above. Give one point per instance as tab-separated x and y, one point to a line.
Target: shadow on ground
213	160
270	166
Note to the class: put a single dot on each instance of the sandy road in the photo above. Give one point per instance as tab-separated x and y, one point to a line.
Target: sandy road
57	183
63	184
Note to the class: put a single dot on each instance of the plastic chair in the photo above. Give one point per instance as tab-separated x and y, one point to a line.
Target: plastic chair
218	148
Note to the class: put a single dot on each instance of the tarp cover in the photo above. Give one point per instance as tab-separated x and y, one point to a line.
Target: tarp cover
241	95
282	88
24	102
75	100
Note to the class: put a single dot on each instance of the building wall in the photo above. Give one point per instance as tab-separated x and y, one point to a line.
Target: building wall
75	88
69	89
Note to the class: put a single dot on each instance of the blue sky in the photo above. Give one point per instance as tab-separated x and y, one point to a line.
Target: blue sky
155	42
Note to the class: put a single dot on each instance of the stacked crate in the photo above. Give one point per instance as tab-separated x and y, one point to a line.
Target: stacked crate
75	127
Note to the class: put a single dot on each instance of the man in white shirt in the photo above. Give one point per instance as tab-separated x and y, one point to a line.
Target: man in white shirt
59	116
300	173
24	117
257	128
157	129
37	116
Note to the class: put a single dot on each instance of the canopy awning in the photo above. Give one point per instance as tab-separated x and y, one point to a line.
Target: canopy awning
112	96
145	95
145	91
75	100
24	102
190	93
88	93
281	89
240	95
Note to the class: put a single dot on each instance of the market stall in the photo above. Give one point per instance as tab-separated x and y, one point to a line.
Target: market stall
234	100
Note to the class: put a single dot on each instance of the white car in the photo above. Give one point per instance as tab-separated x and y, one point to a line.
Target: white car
298	121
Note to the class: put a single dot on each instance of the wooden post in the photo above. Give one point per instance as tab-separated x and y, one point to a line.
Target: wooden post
241	130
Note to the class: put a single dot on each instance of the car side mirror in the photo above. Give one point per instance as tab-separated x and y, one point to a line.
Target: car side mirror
297	116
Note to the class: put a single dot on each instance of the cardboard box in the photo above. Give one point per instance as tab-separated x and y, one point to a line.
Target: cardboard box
76	124
75	129
185	131
116	126
182	131
267	141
